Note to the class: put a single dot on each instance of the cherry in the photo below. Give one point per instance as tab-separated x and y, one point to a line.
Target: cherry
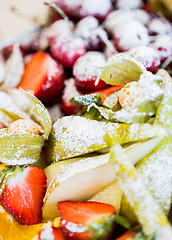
67	49
99	9
129	4
78	9
87	28
86	70
147	56
61	28
158	26
69	92
130	34
163	45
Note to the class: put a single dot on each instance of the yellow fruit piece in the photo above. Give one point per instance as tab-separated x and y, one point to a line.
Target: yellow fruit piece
112	194
2	166
10	229
23	126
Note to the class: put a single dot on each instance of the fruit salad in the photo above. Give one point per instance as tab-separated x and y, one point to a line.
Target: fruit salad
86	124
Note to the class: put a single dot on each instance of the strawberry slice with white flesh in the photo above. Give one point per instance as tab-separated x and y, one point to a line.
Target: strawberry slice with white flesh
21	193
86	220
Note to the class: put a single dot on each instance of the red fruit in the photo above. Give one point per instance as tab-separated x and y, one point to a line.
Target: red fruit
87	28
163	45
60	28
99	9
86	70
51	233
80	220
70	91
82	8
122	4
66	50
147	56
44	77
23	194
159	26
129	235
130	34
108	91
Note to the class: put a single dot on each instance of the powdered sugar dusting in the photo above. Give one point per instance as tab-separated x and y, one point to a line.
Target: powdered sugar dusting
88	66
76	135
146	55
132	4
159	26
130	34
145	207
70	91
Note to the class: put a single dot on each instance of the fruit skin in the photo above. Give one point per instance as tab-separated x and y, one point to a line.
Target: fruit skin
66	50
69	92
78	219
23	194
44	77
129	235
86	70
83	8
48	231
147	56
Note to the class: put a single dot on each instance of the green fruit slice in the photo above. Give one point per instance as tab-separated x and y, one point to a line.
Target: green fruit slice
145	207
74	136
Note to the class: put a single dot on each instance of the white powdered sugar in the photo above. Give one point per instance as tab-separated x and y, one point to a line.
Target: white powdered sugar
159	26
132	4
70	91
47	232
60	27
78	135
117	17
163	45
88	66
146	55
157	175
130	34
85	25
142	16
90	7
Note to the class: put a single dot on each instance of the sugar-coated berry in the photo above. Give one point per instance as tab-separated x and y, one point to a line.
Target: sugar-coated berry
147	56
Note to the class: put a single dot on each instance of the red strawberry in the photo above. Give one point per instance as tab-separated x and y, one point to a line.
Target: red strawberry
67	49
44	77
86	70
52	233
69	92
129	235
86	220
22	190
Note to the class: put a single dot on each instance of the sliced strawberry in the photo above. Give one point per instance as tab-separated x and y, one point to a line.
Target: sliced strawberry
86	220
70	91
52	233
108	91
44	77
129	235
22	190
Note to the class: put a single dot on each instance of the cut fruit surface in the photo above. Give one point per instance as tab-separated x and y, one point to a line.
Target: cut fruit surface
74	136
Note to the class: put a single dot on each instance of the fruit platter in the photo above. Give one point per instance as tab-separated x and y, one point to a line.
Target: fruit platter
86	123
